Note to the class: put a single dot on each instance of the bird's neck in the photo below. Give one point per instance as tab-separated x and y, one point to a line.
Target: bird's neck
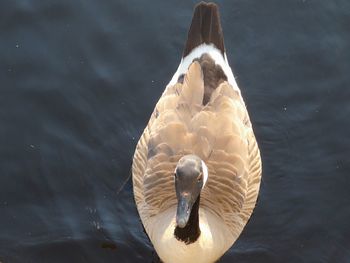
191	232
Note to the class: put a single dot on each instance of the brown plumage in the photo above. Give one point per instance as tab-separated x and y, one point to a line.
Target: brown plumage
213	75
203	114
205	28
220	133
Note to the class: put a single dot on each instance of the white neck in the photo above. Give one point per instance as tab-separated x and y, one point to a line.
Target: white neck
212	243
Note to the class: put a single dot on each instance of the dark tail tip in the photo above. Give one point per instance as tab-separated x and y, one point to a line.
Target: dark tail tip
205	28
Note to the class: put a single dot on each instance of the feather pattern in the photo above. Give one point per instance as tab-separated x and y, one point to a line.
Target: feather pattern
202	114
220	133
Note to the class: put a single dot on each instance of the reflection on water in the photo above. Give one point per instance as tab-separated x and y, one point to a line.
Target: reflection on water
79	81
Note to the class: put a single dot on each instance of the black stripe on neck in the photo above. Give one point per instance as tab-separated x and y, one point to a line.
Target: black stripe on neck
190	233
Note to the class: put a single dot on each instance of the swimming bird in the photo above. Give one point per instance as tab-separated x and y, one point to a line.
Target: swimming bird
196	169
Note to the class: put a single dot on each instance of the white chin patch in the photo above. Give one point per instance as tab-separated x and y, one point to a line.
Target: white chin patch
205	173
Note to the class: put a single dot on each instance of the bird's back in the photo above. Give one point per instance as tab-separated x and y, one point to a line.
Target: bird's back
218	131
201	112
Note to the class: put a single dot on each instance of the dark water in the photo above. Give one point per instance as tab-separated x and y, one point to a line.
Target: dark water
79	80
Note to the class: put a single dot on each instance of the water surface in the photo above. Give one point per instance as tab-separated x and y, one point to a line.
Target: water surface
79	80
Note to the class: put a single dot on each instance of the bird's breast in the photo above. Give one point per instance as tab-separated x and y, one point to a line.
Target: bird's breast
213	241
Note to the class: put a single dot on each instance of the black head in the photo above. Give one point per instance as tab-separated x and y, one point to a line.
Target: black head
190	177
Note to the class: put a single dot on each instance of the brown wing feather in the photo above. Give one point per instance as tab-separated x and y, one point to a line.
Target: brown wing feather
220	133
